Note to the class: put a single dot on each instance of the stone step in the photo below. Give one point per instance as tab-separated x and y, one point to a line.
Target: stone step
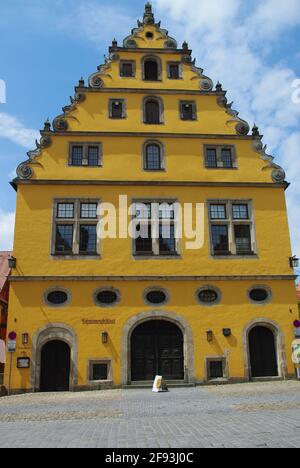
148	384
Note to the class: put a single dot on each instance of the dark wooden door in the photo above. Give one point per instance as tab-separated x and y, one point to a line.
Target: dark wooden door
263	354
55	367
157	349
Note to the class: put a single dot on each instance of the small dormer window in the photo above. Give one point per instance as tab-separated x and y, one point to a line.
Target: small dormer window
127	69
188	110
174	71
117	109
151	69
150	36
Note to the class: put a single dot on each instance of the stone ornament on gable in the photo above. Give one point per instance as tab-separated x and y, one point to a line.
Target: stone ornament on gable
278	173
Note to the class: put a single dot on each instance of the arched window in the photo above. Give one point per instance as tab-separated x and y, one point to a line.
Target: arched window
153	157
153	111
151	69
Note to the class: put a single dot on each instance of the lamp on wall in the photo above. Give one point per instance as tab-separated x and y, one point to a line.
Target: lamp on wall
12	263
104	337
210	336
25	338
294	262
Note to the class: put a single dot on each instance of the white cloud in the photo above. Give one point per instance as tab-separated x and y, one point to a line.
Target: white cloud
98	23
7	222
14	130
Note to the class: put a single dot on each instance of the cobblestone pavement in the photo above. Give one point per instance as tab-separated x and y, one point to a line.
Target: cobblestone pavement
246	415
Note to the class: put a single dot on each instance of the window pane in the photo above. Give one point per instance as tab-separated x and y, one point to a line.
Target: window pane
220	240
218	212
242	239
127	70
187	111
117	110
166	211
93	155
240	212
65	210
167	241
143	245
88	210
77	155
100	372
153	157
143	211
64	239
211	157
174	72
88	239
227	157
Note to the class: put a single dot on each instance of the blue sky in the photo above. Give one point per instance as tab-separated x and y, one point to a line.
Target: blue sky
251	47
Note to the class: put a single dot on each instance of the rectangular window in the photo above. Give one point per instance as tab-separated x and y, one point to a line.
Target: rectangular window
211	157
88	210
93	156
218	212
227	158
156	228
216	370
77	155
88	240
220	239
232	228
64	239
143	243
99	372
76	237
240	212
117	108
85	155
242	235
188	111
167	241
65	210
174	73
127	69
222	157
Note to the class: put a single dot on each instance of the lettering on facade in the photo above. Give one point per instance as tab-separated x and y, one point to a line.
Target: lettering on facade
99	322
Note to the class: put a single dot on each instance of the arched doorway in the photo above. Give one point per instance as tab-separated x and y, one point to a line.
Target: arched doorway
263	354
157	349
55	367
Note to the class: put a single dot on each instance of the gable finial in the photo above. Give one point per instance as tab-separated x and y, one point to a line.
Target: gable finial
255	131
148	15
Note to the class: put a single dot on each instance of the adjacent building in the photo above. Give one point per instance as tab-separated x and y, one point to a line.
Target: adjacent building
4	296
152	141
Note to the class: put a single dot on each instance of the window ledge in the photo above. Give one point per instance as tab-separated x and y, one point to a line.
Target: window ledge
75	257
235	257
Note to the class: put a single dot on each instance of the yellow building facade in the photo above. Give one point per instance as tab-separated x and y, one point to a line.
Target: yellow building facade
204	290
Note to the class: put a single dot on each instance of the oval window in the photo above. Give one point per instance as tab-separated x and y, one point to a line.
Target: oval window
259	295
57	297
107	297
156	297
208	296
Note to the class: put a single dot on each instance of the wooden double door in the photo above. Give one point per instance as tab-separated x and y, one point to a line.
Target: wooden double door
157	349
55	367
263	355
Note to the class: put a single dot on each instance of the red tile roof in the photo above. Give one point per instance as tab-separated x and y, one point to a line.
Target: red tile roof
4	270
298	292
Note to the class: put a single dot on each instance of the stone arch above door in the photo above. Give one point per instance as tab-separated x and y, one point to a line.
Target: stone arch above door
53	332
279	341
182	323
